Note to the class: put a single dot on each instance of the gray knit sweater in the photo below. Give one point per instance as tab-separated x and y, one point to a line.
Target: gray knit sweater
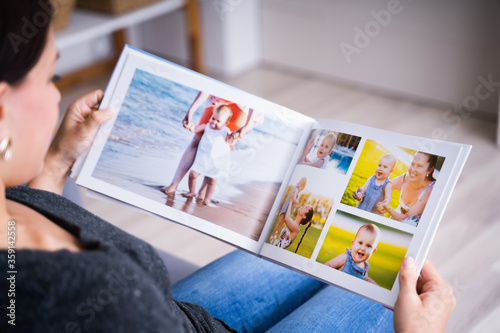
117	284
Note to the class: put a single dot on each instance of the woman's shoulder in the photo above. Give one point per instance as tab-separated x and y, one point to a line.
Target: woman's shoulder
46	202
93	232
98	291
292	225
401	177
60	210
427	189
398	181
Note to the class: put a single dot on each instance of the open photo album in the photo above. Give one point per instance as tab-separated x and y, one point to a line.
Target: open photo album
337	201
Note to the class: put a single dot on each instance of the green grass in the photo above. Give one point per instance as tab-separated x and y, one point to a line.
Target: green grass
308	243
384	263
310	239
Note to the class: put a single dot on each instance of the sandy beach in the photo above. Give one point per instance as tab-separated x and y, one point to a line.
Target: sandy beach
243	202
243	216
245	213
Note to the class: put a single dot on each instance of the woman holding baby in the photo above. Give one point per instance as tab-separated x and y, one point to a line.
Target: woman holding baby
242	121
415	187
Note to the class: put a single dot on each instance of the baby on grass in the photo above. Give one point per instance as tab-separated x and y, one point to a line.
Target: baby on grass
324	149
355	260
212	156
378	188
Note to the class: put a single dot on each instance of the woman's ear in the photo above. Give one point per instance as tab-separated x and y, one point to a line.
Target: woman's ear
3	89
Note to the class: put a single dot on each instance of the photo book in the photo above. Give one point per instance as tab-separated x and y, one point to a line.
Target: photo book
337	201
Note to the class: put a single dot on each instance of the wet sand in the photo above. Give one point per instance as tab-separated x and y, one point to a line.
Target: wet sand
245	213
241	215
245	196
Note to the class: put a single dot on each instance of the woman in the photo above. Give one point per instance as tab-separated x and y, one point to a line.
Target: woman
292	227
70	271
415	187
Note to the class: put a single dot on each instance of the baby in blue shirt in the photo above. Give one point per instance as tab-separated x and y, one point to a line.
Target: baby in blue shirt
355	260
377	188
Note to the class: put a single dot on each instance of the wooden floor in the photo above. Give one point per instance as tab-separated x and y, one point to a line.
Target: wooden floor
466	246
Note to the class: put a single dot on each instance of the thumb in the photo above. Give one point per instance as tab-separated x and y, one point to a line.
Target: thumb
408	305
99	117
407	278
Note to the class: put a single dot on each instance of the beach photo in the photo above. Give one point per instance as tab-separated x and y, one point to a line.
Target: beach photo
393	181
364	249
198	153
303	211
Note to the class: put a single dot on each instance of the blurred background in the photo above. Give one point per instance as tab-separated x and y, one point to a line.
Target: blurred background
436	51
425	68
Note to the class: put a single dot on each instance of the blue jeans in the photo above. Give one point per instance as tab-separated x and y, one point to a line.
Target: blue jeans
253	295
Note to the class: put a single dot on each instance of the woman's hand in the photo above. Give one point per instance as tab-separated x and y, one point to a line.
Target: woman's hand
229	139
73	138
186	121
245	129
191	127
382	207
424	305
78	128
240	132
200	98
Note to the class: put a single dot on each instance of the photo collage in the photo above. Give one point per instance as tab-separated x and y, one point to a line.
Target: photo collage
365	228
338	201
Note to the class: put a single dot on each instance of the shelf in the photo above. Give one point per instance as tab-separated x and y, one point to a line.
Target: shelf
86	25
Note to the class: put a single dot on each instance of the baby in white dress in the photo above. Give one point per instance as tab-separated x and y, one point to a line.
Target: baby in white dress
212	156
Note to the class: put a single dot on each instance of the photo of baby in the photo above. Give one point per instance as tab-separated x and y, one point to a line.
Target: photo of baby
167	134
329	150
212	156
364	249
240	122
290	231
302	214
355	260
393	181
323	151
378	188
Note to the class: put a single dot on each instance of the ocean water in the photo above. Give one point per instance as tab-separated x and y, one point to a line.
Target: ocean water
339	159
147	141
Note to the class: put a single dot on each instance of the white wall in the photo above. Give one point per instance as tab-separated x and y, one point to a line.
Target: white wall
85	54
428	49
438	50
231	36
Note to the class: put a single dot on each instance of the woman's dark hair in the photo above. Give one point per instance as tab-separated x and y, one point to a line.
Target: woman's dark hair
305	220
24	26
308	216
432	160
